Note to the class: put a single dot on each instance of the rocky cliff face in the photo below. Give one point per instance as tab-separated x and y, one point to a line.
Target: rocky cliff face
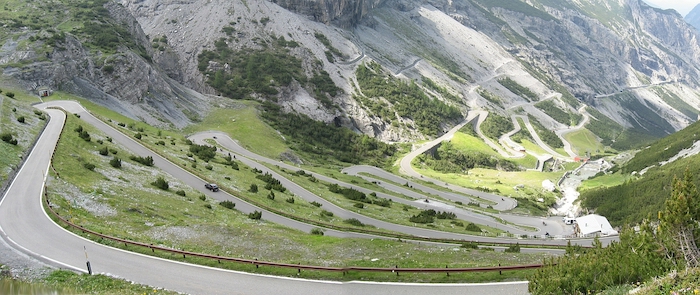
342	13
125	81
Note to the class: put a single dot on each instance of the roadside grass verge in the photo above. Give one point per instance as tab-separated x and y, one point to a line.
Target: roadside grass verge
11	109
97	284
123	203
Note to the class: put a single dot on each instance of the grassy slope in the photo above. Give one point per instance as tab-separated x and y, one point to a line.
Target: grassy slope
25	133
583	141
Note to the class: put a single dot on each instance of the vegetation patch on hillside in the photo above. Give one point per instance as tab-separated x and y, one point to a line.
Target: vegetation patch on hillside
323	142
383	95
518	89
495	125
559	115
261	72
547	135
448	159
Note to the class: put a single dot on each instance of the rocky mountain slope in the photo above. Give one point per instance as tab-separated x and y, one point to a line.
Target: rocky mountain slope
693	17
637	67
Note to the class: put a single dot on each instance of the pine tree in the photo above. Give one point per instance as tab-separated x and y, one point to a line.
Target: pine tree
679	220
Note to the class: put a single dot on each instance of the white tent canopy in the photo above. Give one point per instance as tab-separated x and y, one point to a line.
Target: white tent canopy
594	223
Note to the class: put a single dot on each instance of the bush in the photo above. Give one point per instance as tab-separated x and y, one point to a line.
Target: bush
89	166
326	213
253	188
104	151
10	94
208	206
161	183
271	195
513	248
425	216
20	119
203	197
354	221
209	167
317	204
470	245
473	227
115	162
138	135
290	200
6	137
382	202
228	204
181	193
148	161
204	152
255	215
358	205
84	135
317	231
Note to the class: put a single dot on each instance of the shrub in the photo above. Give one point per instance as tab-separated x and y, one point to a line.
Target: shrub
359	205
113	151
513	248
181	193
6	137
208	206
271	195
473	227
317	204
326	213
317	231
203	197
470	245
148	161
425	216
354	221
138	135
228	204
115	162
204	152
382	202
84	135
161	183
253	188
10	94
20	119
290	200
255	215
104	151
89	166
209	167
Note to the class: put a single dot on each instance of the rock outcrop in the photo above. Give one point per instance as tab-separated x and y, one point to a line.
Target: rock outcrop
342	13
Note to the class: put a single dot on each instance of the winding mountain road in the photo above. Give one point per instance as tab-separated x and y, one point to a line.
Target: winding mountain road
26	227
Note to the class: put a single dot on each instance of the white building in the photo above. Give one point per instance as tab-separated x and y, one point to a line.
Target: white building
594	224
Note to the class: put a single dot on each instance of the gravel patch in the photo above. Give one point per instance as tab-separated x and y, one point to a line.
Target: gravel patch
90	202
